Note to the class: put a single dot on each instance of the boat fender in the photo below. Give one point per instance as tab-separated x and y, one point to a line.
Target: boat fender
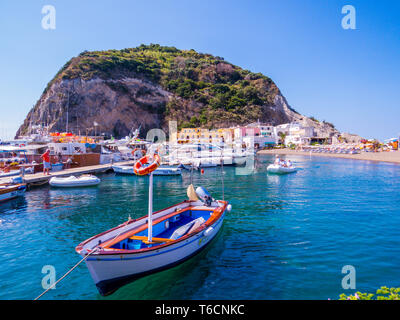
208	231
229	208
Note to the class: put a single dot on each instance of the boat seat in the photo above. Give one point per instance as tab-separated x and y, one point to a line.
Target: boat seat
145	239
185	228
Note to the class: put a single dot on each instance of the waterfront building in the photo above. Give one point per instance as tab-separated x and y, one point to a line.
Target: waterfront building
294	133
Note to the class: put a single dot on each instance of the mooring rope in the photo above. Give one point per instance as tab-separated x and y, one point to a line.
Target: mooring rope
83	259
70	270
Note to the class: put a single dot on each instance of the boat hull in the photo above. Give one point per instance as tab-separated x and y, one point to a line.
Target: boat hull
109	274
158	172
10	174
111	269
65	183
12	192
272	168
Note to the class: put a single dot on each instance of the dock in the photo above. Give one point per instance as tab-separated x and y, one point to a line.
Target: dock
40	179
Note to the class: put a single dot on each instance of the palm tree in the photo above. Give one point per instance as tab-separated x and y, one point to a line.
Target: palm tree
282	135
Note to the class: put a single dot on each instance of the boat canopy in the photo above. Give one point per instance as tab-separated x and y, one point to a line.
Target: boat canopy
5	149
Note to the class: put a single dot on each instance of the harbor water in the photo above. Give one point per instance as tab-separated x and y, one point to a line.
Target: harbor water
287	236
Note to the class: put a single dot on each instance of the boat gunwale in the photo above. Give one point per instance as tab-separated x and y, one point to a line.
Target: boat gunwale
210	221
12	187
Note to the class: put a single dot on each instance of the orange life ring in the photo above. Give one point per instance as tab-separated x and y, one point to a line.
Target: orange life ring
141	171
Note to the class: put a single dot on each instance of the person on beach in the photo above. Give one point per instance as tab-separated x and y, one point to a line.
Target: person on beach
46	162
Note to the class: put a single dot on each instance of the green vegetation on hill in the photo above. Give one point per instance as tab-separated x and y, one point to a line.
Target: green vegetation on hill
220	89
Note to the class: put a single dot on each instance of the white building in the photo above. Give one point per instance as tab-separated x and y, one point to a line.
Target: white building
294	133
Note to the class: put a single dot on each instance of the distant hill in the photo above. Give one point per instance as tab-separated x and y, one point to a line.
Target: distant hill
152	84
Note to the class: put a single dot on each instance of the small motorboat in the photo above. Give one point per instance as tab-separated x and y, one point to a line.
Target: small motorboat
85	180
123	169
276	168
155	242
11	191
167	172
161	171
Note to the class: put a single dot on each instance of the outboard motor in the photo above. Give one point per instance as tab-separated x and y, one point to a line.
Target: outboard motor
204	196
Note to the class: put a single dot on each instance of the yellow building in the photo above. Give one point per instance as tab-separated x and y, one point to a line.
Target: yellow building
202	135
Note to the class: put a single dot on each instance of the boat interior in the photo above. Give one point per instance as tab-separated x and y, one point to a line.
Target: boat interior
165	229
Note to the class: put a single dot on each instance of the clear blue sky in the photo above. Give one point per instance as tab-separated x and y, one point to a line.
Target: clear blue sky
348	77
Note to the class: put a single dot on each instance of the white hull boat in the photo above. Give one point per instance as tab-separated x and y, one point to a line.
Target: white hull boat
275	168
123	169
72	181
124	254
167	172
158	172
9	174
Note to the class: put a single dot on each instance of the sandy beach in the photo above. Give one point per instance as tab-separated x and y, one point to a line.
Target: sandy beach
392	156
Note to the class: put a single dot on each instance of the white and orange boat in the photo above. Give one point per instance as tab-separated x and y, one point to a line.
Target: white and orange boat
11	191
155	242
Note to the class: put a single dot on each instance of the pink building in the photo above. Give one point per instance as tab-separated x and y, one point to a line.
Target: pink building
241	132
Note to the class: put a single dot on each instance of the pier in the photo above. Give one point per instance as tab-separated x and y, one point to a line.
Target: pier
40	179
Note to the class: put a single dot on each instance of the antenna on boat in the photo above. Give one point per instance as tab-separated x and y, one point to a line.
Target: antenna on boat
191	169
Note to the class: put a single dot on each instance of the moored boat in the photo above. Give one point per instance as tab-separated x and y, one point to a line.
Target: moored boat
4	174
85	180
155	242
11	191
161	171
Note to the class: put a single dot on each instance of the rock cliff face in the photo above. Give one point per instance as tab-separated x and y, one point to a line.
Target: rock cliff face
150	85
116	105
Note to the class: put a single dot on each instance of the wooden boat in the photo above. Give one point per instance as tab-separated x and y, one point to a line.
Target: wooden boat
276	168
85	180
11	191
153	243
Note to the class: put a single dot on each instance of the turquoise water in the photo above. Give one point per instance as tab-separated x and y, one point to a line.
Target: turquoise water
287	237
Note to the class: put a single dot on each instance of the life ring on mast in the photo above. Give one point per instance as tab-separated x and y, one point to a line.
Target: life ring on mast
139	168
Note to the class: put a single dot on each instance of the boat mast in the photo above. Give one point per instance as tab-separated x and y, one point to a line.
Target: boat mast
67	112
150	218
